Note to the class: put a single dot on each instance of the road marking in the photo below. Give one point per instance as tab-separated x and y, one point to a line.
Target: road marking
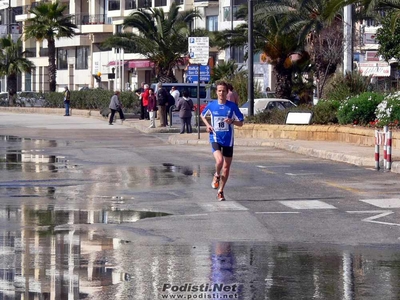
307	204
384	203
346	188
302	174
278	166
277	212
196	215
268	172
380	214
222	206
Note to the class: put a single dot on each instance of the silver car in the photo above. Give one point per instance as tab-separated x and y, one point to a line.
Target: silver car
263	104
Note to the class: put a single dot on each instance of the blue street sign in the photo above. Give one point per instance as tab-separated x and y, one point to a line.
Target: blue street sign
194	79
193	73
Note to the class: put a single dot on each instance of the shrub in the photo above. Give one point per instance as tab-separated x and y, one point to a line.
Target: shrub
344	86
359	109
93	99
325	112
388	111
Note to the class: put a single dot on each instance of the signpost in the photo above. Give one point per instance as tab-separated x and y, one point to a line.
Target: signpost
199	52
192	74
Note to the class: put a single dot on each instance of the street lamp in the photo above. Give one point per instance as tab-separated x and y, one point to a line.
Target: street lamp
250	60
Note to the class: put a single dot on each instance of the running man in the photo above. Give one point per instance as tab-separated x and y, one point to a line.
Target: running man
224	115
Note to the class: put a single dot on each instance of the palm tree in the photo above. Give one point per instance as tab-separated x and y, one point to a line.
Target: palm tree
13	62
162	37
270	40
317	23
50	23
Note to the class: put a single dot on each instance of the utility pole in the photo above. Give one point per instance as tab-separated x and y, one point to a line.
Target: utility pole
348	39
250	62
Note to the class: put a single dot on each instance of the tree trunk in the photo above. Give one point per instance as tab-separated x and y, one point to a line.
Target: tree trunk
283	81
52	68
12	88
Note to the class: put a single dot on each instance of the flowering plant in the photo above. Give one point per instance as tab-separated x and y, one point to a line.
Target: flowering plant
388	111
359	109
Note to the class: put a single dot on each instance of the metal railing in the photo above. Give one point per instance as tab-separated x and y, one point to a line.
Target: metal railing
91	19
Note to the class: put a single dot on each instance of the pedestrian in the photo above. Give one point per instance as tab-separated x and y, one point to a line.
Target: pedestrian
162	100
224	115
67	99
116	105
232	95
152	108
176	94
145	101
185	108
139	93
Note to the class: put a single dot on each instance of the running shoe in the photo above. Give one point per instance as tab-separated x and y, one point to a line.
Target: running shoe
215	182
220	196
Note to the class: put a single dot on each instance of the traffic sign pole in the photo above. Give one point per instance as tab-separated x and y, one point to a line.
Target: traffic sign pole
198	103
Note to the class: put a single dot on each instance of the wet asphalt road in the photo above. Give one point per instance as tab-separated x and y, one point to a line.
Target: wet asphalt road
105	212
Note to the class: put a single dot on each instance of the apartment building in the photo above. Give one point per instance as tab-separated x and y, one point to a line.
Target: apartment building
80	60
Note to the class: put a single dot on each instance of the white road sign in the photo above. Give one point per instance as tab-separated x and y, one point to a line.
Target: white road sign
199	50
4	4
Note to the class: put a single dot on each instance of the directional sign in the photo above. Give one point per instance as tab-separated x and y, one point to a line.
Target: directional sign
199	50
195	79
193	73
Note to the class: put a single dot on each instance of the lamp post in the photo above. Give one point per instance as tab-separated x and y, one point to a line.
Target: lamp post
250	62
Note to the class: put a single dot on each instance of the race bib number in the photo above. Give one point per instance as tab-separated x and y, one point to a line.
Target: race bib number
220	125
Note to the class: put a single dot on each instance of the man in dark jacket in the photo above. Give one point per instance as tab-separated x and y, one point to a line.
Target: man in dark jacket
185	107
162	99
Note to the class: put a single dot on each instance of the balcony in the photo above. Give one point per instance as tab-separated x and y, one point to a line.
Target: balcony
93	23
30	52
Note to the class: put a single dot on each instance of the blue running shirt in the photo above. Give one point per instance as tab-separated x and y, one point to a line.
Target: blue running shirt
223	132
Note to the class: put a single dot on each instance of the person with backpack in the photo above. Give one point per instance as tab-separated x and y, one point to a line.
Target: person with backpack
162	100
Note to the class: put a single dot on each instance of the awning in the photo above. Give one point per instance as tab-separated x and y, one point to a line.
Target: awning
140	64
376	69
115	62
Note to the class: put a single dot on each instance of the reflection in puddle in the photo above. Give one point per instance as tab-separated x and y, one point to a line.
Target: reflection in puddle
70	263
30	161
77	264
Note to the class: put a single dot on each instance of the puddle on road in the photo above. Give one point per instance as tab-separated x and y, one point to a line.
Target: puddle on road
31	142
80	264
26	161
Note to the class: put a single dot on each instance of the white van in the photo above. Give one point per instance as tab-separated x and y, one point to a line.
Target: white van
205	91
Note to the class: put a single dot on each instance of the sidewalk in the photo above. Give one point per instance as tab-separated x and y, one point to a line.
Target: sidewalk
343	152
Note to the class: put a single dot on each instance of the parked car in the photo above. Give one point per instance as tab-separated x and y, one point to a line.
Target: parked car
263	104
205	91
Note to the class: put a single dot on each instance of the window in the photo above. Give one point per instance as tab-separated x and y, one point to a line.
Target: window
62	63
114	5
81	59
118	28
158	3
227	13
212	23
238	54
130	4
144	3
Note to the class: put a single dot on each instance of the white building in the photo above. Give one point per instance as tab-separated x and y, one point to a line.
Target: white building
80	59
